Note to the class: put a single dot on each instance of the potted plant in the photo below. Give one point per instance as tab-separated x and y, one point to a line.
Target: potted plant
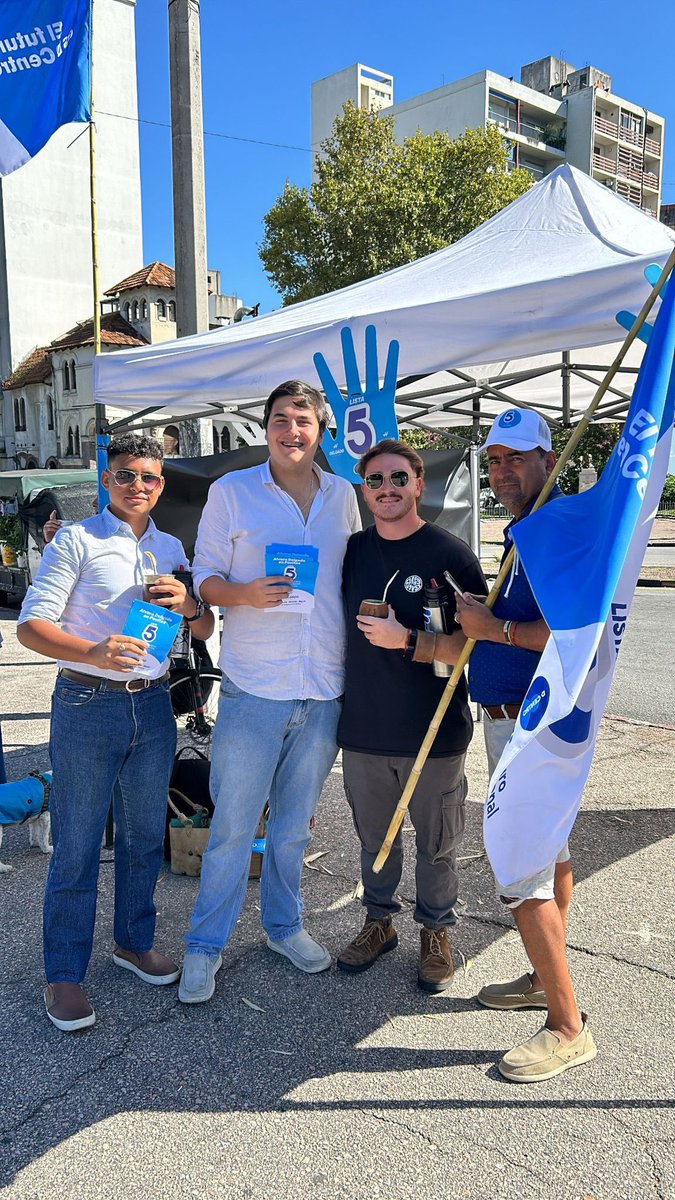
11	538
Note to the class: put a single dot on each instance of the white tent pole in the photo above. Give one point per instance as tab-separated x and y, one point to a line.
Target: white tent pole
474	471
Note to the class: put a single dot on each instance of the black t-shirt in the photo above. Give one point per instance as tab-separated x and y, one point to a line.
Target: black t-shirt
389	699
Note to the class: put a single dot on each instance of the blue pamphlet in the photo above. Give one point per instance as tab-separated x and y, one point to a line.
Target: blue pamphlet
158	628
300	565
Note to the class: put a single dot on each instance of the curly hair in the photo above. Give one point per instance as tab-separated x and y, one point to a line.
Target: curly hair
137	445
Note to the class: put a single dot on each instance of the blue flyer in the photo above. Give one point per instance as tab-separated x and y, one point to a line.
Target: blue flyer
300	564
158	628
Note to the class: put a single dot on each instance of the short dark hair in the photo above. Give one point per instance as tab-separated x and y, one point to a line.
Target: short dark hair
303	396
392	446
137	445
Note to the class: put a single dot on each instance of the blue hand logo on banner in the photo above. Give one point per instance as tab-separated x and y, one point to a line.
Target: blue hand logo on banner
365	415
627	319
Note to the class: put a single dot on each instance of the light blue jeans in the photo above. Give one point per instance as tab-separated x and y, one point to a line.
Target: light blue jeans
276	750
105	745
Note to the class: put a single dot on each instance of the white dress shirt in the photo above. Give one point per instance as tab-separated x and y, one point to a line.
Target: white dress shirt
278	655
89	576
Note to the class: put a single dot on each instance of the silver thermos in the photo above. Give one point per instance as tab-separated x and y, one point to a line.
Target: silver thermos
437	619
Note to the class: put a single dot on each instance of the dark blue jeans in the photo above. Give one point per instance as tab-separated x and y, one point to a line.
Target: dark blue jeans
105	745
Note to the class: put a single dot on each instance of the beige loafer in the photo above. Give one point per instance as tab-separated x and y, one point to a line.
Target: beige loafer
546	1055
517	994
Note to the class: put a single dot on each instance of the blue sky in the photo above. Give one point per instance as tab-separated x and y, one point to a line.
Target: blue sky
259	61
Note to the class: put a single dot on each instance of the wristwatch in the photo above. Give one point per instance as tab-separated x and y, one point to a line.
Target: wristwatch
201	609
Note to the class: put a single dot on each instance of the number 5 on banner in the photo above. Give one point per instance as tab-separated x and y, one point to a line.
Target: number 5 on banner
364	416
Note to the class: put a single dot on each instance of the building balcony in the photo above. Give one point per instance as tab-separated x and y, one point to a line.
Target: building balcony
652	147
532	135
643	178
603	164
610	129
632	136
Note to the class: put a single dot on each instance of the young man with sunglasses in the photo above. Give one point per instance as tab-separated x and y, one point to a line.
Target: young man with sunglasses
389	702
113	734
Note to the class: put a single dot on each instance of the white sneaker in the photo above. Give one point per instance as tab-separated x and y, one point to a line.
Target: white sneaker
303	951
198	981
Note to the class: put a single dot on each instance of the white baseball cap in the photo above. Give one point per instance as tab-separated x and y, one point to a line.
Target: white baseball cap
519	429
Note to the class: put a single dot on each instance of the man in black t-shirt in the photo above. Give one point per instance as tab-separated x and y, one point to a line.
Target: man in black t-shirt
389	702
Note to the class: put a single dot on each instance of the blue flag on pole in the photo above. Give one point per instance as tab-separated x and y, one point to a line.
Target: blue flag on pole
45	73
582	556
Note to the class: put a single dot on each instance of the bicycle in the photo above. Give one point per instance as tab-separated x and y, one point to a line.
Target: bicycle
192	678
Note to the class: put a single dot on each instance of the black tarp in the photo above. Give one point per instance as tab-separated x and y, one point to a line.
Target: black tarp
446	500
71	502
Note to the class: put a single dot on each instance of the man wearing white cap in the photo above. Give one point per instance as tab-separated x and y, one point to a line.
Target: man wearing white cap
510	640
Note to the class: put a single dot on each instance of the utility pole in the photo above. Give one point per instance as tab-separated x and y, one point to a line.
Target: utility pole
189	202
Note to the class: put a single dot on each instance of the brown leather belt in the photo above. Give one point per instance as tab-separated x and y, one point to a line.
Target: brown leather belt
501	712
111	685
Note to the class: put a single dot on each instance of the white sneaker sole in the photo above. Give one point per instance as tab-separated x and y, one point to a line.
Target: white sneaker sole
203	997
309	967
71	1026
155	980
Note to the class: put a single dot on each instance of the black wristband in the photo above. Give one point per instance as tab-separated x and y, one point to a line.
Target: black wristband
411	643
199	612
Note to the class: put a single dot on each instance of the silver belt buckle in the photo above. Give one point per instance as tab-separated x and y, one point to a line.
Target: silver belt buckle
143	683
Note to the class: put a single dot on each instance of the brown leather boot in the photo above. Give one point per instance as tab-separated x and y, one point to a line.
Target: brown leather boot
436	966
376	938
67	1007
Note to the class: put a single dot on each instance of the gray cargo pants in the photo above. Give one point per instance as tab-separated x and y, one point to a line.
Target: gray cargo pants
374	784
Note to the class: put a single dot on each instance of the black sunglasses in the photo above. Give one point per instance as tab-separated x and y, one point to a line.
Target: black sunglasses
398	478
124	477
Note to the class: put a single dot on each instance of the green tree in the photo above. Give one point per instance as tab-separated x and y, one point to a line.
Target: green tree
594	448
668	493
376	203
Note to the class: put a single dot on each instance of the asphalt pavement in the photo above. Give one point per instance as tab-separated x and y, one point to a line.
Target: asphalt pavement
340	1087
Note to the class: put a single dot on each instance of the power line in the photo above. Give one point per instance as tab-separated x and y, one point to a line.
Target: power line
231	137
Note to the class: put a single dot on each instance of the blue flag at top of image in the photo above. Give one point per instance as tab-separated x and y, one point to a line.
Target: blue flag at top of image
45	73
582	555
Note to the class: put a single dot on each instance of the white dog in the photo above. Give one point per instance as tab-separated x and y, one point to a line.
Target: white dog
39	826
39	829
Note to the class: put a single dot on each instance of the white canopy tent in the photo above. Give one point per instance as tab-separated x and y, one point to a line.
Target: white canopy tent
510	310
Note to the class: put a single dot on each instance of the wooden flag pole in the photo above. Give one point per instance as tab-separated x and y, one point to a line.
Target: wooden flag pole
449	691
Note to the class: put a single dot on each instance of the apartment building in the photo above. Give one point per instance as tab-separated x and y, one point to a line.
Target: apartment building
555	113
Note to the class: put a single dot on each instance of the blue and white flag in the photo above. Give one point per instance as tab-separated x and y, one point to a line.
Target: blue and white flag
45	73
582	555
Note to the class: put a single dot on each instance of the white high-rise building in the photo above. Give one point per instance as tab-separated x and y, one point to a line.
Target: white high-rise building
45	224
555	114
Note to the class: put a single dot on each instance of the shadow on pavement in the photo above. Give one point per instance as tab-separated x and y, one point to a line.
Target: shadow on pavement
328	1043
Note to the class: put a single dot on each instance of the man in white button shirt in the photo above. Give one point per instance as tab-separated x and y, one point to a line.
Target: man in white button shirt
282	681
113	735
